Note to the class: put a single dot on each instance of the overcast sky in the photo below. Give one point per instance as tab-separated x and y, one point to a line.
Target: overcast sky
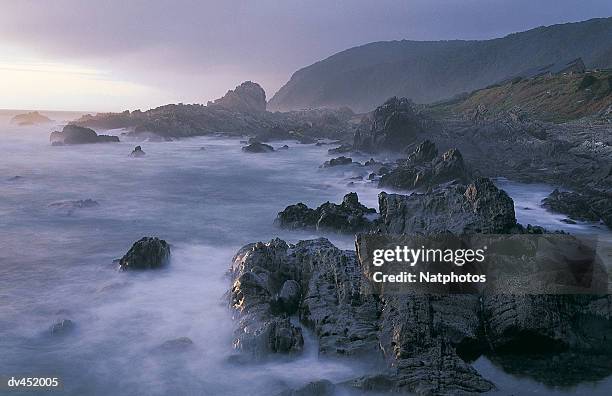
112	55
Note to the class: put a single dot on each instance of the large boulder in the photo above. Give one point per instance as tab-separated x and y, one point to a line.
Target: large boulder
342	160
479	207
72	134
350	216
391	127
423	169
258	274
248	97
137	152
258	147
146	253
330	302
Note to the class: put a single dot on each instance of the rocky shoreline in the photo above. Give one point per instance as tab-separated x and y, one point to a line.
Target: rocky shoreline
427	342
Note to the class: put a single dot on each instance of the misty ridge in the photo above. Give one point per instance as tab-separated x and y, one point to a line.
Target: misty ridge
427	71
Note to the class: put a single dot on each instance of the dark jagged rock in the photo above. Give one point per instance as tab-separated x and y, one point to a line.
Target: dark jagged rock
62	327
256	277
338	161
480	207
548	323
72	134
426	151
580	207
423	170
32	118
349	216
257	147
137	152
146	253
427	341
248	97
342	318
392	126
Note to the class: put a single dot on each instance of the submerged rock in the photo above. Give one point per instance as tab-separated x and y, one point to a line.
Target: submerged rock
62	327
137	152
146	253
71	206
180	344
349	216
72	134
257	147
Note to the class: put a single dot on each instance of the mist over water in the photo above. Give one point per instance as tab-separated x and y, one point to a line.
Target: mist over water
56	263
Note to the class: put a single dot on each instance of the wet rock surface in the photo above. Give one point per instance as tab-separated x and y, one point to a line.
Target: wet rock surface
478	207
425	342
146	253
423	169
72	134
349	216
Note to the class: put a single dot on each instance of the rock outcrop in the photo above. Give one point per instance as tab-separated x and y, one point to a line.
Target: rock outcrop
248	97
146	253
137	152
426	342
423	170
330	303
581	207
61	328
348	217
257	147
32	118
479	207
72	134
391	127
342	160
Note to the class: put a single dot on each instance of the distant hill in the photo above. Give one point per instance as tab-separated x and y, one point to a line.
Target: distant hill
426	71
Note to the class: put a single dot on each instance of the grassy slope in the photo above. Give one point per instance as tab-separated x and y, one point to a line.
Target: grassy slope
557	98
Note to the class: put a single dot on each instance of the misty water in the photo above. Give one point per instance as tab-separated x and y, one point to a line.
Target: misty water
207	203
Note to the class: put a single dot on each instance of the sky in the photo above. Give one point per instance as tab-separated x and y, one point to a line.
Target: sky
110	55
